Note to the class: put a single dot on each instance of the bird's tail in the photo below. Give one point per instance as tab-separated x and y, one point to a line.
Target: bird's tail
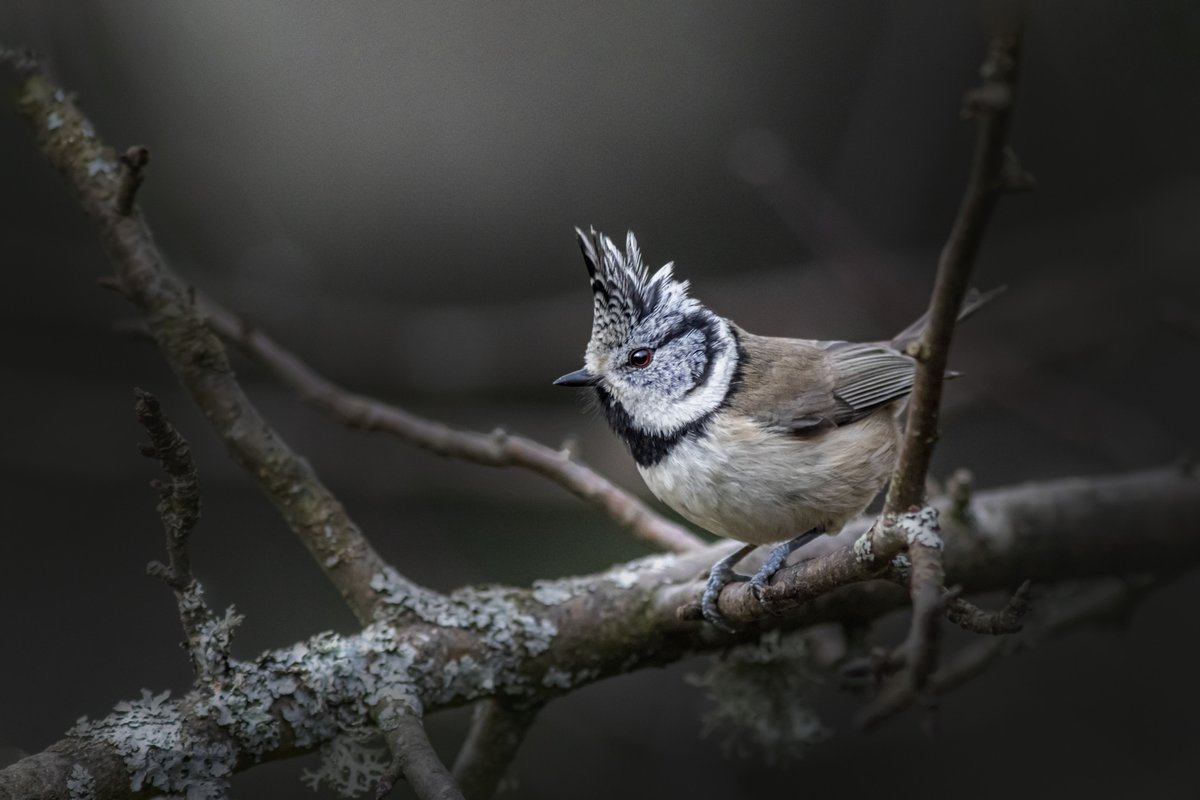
974	301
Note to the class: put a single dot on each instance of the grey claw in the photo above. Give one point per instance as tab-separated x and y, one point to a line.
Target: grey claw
758	586
718	579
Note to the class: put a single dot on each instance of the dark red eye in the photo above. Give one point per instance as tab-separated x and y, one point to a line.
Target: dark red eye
641	358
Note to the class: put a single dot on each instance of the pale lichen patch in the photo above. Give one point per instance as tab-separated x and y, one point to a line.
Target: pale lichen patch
863	547
160	751
756	691
622	577
921	527
492	611
81	785
556	678
551	593
351	764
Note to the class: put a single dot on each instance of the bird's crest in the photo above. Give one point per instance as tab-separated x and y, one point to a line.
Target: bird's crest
624	292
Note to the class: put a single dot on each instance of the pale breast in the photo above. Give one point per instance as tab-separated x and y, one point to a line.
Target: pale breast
745	482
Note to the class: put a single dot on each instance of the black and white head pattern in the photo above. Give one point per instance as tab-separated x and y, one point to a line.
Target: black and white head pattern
692	352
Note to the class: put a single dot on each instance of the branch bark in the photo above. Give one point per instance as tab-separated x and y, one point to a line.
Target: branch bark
208	637
519	647
497	730
415	759
498	449
68	141
994	171
1104	600
532	644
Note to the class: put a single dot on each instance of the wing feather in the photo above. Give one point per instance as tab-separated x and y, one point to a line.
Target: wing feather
867	376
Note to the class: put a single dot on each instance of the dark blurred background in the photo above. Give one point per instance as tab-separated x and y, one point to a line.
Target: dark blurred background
390	189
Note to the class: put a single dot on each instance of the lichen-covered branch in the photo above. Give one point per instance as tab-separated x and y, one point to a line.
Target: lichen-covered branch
133	161
866	553
532	644
497	449
207	636
517	648
179	497
104	189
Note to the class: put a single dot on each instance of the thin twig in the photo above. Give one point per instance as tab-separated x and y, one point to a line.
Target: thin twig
133	161
496	732
994	171
498	449
1106	599
179	498
67	139
1009	619
413	757
208	637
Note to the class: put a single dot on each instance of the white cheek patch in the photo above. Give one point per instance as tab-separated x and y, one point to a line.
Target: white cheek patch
654	412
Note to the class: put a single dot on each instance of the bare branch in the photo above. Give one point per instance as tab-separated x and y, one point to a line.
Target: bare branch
497	730
1007	620
68	141
498	449
994	171
1102	601
984	187
413	757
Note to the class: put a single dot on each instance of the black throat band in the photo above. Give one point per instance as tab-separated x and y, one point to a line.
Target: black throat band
648	448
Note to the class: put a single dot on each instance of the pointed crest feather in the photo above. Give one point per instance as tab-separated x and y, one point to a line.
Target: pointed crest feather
624	292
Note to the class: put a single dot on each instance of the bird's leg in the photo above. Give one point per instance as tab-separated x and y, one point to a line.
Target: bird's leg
776	560
719	577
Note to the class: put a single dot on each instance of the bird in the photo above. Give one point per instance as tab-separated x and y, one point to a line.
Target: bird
761	439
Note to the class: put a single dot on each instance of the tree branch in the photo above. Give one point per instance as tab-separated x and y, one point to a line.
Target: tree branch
179	498
414	758
497	730
498	449
529	645
994	170
68	141
428	651
133	161
207	637
1104	600
1007	620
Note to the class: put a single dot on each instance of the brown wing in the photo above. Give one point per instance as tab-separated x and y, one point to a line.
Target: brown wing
805	387
786	384
867	376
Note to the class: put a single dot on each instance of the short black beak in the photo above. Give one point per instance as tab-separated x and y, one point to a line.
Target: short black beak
580	377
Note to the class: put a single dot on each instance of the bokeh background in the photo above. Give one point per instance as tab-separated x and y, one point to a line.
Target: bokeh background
390	189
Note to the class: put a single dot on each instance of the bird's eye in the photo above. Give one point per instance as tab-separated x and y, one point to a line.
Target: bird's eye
641	358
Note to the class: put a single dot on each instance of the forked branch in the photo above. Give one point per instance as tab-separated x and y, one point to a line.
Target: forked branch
105	189
994	171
